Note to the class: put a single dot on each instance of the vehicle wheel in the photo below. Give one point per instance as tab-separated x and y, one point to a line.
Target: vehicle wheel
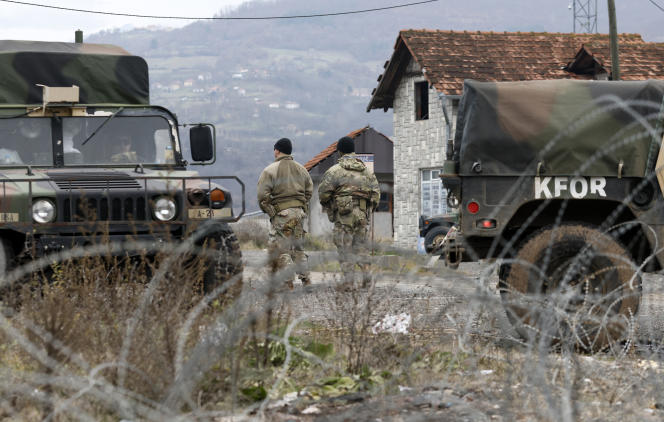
434	237
223	261
571	283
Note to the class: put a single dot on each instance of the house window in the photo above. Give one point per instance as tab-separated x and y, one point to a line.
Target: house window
421	100
385	204
434	196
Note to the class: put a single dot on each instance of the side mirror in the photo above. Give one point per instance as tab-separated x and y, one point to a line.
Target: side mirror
202	143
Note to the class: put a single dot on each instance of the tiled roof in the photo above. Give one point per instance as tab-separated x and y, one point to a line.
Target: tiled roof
449	57
330	150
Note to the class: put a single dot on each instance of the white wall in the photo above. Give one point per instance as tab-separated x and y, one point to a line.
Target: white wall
319	225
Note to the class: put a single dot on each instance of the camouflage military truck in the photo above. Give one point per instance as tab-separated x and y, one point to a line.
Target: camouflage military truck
558	181
84	156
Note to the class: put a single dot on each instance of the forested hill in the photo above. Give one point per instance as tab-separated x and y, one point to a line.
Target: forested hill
310	79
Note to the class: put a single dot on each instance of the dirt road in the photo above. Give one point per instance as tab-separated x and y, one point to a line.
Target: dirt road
446	293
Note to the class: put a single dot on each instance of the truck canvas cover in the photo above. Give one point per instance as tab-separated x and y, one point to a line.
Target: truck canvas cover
564	127
104	73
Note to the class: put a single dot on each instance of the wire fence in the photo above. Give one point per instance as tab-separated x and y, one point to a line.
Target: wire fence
566	325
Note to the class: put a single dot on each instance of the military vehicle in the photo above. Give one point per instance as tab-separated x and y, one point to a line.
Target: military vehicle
559	182
434	229
84	156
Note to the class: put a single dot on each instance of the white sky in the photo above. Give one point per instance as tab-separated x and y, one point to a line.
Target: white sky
21	22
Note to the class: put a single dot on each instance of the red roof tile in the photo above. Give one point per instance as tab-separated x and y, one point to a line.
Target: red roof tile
447	58
330	150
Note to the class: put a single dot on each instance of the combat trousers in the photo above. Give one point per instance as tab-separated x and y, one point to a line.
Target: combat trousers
352	244
286	246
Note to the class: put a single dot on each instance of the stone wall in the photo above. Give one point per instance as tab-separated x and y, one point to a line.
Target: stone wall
418	144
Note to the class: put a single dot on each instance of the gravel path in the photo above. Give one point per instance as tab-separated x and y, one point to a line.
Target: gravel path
444	291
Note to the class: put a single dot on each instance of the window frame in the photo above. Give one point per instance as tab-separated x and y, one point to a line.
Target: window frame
432	183
421	90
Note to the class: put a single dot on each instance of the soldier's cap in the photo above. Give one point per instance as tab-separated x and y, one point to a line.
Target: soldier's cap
284	145
345	145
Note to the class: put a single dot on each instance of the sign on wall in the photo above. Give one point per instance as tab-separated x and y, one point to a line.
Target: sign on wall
368	160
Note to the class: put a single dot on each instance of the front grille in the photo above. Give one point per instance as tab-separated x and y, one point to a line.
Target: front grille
94	181
104	209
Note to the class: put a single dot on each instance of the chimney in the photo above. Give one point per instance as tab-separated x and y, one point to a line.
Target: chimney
78	36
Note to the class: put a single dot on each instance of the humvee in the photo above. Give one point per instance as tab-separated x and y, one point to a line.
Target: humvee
558	181
85	156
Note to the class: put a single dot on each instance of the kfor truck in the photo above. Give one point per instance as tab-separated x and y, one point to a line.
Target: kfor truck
85	156
559	183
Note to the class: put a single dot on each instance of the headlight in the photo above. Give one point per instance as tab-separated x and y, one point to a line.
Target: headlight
43	211
164	209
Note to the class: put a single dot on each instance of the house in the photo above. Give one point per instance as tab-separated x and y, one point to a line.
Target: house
423	81
375	149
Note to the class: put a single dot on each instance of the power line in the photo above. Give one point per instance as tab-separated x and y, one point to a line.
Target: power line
132	15
657	5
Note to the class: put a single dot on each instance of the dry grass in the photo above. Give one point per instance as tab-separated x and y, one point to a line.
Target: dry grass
106	340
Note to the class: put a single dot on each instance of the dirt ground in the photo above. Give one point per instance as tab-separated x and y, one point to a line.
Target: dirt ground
514	383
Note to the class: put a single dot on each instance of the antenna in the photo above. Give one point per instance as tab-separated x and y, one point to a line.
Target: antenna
585	15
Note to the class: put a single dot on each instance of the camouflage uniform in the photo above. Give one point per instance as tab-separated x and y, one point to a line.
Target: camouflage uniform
284	190
349	193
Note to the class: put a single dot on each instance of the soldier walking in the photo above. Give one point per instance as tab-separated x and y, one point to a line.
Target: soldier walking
284	190
349	193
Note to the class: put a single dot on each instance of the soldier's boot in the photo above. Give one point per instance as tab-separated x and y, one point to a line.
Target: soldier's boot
283	271
366	280
348	278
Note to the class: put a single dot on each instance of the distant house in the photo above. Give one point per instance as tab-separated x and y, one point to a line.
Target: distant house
376	150
423	81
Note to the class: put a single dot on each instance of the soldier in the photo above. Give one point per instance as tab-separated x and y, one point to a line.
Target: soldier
284	190
125	152
349	193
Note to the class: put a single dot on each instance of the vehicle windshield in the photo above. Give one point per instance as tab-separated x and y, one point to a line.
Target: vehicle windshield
121	140
26	141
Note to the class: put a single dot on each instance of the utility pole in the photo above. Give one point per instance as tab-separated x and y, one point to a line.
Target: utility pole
585	15
613	34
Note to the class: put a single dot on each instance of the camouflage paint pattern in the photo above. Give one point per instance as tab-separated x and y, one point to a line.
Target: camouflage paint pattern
104	73
349	193
512	127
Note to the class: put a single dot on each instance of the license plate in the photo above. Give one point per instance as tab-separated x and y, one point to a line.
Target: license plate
205	213
8	217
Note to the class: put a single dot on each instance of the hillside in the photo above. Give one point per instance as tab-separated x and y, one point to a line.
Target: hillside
308	79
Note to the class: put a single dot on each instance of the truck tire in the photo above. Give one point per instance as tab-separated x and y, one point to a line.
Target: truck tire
223	261
433	237
571	284
6	265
